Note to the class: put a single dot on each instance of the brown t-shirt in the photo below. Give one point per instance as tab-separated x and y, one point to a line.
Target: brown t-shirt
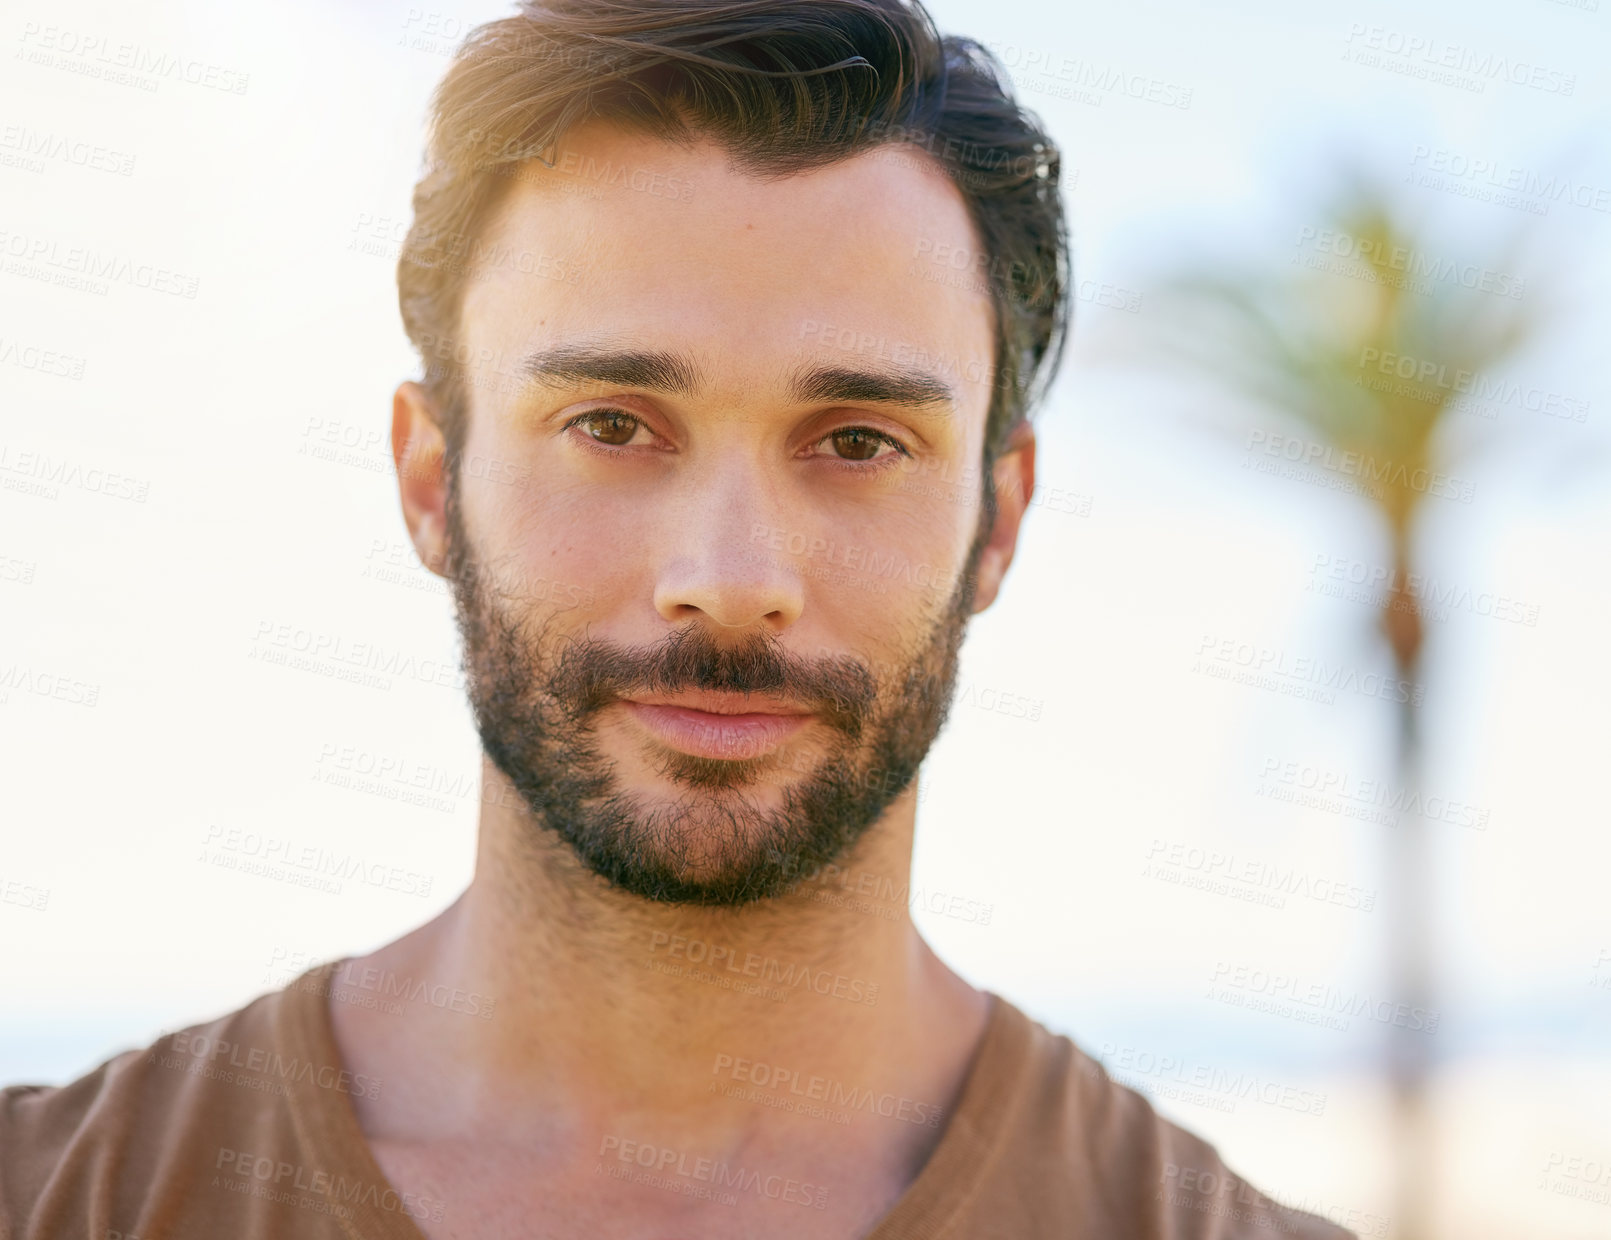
243	1127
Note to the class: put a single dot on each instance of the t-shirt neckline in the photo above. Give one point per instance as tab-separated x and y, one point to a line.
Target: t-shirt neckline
327	1124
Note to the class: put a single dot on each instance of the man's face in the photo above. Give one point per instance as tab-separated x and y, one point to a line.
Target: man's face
715	531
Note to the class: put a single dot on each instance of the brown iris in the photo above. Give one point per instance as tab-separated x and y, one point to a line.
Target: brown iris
856	444
611	426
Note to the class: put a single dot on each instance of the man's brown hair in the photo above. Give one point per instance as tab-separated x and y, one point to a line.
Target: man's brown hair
783	86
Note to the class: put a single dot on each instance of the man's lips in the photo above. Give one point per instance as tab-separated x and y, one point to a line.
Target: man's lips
709	702
718	725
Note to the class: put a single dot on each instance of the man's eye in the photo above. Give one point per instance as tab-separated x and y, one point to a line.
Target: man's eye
608	426
862	443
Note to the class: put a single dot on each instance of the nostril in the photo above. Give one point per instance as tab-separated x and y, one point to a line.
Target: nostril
731	594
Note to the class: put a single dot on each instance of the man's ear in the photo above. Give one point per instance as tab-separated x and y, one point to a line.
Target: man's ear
418	450
1014	474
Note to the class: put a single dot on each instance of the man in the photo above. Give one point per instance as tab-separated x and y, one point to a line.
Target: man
732	316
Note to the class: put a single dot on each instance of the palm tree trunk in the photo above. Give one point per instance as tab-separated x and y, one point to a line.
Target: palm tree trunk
1409	883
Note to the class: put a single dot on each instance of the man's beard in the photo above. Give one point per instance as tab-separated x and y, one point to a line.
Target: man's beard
536	711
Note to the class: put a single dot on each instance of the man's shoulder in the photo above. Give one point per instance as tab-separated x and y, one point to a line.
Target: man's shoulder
1125	1169
89	1144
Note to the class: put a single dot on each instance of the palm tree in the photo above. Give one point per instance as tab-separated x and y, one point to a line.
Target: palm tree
1366	341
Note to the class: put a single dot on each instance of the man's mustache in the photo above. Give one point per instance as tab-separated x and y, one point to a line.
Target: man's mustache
590	673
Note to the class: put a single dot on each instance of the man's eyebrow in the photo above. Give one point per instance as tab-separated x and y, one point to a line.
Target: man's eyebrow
894	385
573	365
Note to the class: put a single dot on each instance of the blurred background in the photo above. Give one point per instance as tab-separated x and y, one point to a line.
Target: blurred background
1304	836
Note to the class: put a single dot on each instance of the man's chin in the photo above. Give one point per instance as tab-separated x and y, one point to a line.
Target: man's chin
674	880
711	848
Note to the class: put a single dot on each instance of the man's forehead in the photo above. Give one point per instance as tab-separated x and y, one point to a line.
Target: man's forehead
649	240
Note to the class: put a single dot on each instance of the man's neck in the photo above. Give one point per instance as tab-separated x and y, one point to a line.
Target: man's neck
604	1005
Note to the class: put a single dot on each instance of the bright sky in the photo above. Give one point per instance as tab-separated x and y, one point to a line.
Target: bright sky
283	203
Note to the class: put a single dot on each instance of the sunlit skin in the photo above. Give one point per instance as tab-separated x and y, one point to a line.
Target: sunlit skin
650	503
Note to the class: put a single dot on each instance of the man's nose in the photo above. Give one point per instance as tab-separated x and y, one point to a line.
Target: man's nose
716	561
